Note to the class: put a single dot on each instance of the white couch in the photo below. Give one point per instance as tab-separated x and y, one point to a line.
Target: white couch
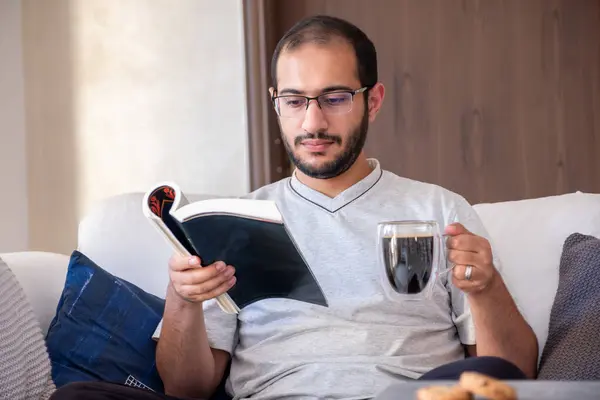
528	236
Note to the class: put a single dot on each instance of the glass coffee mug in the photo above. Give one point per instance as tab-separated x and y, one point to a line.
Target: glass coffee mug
412	253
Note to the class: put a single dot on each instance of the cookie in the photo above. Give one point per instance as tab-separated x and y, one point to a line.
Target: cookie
485	386
443	393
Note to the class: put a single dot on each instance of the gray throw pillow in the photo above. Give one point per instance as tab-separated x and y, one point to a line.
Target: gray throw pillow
25	371
572	351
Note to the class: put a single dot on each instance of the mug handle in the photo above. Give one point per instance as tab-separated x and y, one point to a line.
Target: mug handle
442	255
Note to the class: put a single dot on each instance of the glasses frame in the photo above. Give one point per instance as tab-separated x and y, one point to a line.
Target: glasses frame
316	98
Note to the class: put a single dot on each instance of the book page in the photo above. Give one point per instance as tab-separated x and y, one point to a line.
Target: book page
258	209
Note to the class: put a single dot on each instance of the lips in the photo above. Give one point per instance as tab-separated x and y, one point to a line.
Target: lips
316	145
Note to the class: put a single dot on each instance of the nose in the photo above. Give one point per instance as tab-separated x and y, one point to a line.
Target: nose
314	120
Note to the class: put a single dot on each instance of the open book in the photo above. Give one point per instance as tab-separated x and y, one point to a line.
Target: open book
248	234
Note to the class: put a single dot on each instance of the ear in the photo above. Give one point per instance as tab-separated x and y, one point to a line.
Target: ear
375	101
271	94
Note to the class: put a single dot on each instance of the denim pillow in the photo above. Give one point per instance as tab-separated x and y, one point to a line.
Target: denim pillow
102	330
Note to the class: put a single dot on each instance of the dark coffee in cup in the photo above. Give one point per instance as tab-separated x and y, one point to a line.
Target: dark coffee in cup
408	261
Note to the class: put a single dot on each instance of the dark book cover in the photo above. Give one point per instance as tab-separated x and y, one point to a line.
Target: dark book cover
268	263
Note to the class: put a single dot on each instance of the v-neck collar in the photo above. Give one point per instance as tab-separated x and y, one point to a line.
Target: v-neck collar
344	198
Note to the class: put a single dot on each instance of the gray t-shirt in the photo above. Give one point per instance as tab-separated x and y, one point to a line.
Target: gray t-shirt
369	336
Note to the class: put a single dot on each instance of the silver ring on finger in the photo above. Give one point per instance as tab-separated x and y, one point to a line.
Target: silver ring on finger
468	272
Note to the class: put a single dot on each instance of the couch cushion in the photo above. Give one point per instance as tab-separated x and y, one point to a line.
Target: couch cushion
41	275
572	351
103	329
528	236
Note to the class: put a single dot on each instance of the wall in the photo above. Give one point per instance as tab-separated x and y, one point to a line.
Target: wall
495	100
13	178
121	95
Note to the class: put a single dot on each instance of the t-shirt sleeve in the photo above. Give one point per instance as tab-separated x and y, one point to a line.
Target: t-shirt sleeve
466	215
221	328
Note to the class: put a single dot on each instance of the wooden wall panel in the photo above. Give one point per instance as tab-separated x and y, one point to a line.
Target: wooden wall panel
494	99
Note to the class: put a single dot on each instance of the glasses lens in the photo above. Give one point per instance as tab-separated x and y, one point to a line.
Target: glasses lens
291	106
336	103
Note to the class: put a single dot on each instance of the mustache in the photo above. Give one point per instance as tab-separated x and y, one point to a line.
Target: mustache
320	136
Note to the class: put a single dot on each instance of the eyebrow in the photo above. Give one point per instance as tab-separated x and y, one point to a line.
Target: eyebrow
324	90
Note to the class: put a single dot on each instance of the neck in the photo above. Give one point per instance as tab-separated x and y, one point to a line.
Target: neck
334	186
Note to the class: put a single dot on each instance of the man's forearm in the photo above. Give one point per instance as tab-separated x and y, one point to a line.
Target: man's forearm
184	358
500	328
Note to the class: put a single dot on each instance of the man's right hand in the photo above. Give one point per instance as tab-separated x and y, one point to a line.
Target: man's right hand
196	283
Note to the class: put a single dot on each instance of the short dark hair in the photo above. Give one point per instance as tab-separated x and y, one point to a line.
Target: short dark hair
321	29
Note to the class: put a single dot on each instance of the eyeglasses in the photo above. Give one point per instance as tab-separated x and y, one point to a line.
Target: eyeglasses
295	106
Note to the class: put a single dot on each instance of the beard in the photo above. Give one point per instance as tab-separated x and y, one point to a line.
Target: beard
342	163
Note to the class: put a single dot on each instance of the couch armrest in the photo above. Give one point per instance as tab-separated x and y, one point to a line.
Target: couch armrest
42	277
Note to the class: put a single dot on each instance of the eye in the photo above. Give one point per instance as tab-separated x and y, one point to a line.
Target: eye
335	99
293	102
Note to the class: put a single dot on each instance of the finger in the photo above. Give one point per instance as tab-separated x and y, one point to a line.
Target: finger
476	244
199	288
459	273
221	289
456	229
193	294
200	275
463	257
182	263
462	242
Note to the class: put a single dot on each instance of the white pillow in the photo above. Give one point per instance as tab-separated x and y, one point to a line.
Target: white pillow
528	236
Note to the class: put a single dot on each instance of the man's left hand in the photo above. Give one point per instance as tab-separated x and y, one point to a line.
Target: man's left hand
465	250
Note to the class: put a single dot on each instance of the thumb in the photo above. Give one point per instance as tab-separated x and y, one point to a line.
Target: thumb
194	261
179	262
456	229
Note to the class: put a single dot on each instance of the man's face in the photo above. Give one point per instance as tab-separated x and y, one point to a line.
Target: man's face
322	144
